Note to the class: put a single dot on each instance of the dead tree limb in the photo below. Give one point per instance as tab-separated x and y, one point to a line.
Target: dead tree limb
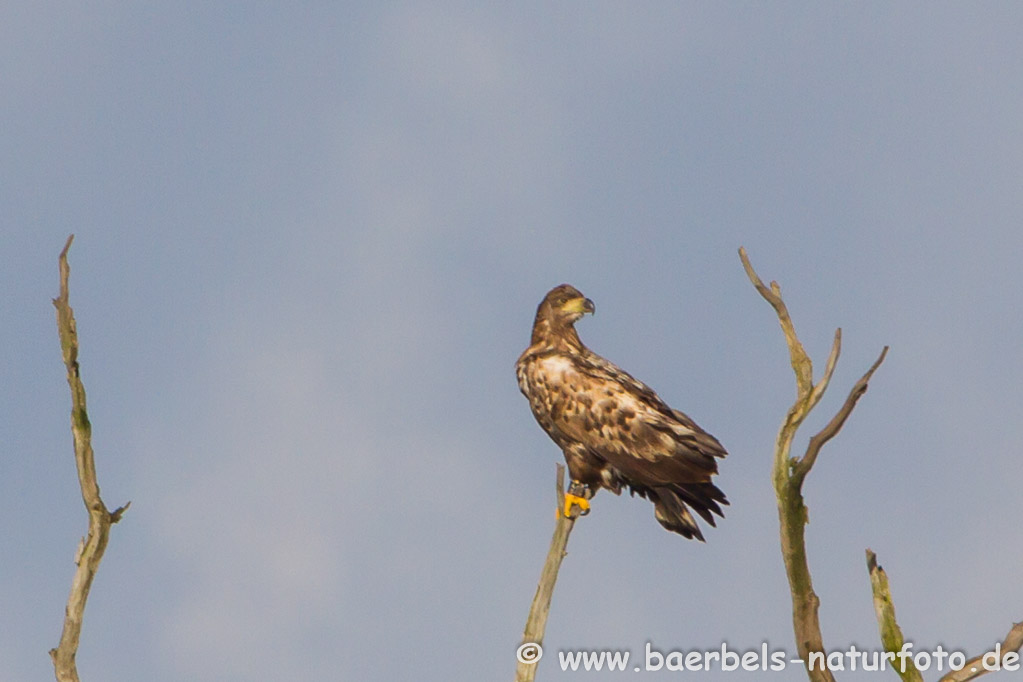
531	649
892	640
891	634
91	547
975	667
789	473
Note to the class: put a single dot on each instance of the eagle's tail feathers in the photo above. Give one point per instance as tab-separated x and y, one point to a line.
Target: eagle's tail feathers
673	514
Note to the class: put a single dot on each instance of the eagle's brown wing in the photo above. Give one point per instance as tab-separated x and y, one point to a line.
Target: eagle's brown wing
657	451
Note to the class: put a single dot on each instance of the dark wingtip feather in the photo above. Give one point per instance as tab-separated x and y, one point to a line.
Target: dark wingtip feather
704	498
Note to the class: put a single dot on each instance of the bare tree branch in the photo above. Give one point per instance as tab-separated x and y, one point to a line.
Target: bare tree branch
801	467
529	652
801	362
789	473
91	548
891	634
975	666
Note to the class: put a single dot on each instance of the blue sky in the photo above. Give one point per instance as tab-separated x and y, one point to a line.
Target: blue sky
310	240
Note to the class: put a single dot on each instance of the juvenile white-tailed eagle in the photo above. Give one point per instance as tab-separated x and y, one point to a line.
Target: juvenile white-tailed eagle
614	430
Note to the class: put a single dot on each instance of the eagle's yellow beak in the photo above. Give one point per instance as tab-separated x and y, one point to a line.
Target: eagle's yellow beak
579	305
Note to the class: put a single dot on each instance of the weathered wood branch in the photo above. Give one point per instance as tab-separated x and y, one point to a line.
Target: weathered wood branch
528	654
91	548
975	667
801	467
789	473
891	634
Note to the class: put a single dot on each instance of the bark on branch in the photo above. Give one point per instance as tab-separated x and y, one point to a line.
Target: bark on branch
91	548
891	634
789	473
528	654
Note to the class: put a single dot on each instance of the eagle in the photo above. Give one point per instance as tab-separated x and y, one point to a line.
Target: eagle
614	430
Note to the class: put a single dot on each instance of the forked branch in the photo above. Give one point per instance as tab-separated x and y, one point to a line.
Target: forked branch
92	546
789	473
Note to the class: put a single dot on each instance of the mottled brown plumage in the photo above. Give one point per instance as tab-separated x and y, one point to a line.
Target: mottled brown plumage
613	429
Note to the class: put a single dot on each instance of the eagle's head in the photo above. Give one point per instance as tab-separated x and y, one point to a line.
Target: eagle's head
558	311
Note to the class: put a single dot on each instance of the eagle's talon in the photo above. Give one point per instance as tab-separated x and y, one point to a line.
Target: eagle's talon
581	502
